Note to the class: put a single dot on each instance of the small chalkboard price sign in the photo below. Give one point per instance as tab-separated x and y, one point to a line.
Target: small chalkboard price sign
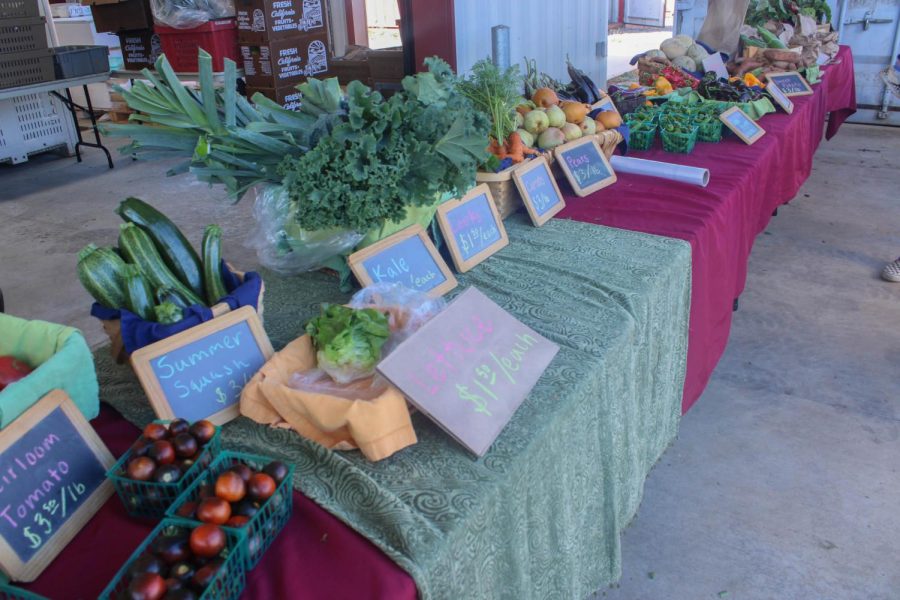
408	257
585	165
472	227
791	83
778	96
539	191
469	368
52	481
742	125
604	105
200	373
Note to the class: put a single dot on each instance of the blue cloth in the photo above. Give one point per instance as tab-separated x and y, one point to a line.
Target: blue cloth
623	129
137	333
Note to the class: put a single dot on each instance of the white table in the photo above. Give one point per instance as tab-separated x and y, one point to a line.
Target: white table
53	87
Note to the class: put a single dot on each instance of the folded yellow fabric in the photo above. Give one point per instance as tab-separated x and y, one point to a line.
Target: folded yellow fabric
378	427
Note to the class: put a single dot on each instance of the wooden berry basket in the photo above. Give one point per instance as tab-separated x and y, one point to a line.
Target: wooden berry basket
503	188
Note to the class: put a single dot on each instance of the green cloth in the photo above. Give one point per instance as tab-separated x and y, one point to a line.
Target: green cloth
63	361
540	515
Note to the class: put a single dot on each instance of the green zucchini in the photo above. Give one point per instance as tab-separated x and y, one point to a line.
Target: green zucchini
212	264
138	297
167	294
102	272
770	38
748	41
137	247
167	313
176	251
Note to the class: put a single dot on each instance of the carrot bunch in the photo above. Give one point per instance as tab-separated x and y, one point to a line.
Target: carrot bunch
514	148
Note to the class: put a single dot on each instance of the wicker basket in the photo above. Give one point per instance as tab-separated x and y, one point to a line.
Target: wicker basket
503	188
113	328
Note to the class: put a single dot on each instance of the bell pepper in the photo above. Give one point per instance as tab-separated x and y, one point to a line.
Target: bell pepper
663	86
750	80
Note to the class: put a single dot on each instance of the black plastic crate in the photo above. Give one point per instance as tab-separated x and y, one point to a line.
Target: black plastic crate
22	35
18	9
26	68
80	61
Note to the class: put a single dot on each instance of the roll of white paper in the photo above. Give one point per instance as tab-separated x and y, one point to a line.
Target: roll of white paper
663	170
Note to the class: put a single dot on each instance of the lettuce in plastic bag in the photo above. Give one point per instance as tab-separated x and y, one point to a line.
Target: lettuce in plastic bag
348	341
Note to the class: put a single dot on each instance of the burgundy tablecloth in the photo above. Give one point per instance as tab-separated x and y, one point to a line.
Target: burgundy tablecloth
721	221
316	556
841	82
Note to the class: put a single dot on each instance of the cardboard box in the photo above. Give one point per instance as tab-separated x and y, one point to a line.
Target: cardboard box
140	48
288	97
121	16
285	62
264	21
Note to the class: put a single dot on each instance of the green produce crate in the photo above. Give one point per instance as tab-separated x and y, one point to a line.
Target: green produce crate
641	138
228	583
151	499
710	131
682	143
261	530
10	592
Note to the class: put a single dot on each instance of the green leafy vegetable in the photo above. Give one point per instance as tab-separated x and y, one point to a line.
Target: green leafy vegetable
496	93
348	341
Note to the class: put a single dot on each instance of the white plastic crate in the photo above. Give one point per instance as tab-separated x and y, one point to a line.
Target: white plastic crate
34	123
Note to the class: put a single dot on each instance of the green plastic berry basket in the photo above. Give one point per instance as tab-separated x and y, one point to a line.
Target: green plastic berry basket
228	582
262	529
150	499
641	138
11	592
711	131
681	143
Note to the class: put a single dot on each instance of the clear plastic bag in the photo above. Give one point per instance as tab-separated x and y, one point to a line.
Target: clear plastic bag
282	245
318	381
187	14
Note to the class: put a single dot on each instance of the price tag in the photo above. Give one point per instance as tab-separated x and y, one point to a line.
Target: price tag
791	83
472	228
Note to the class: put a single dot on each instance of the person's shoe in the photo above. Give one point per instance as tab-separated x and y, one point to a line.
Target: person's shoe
891	271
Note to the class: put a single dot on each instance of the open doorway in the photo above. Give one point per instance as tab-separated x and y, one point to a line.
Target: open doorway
642	26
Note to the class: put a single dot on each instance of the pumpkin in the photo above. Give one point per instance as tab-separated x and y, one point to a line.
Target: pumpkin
575	111
610	119
545	97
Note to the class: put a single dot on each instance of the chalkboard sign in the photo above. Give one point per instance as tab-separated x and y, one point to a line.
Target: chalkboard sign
742	125
409	258
779	98
539	191
469	368
52	481
791	83
472	227
604	105
585	165
200	373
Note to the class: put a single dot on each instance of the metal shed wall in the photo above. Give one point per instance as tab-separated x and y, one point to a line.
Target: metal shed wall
544	31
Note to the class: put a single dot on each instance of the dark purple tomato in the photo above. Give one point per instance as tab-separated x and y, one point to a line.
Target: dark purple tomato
188	510
203	431
141	468
155	431
179	426
214	510
182	571
146	563
245	508
230	486
237	521
167	474
172	548
207	540
261	486
141	447
277	470
243	470
205	575
185	445
147	586
162	452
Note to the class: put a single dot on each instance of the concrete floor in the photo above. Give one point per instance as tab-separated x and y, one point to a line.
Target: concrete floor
784	482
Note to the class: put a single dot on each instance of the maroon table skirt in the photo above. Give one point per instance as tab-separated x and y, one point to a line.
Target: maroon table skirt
721	221
316	556
841	83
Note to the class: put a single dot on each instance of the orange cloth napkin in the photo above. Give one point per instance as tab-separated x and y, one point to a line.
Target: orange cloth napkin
378	427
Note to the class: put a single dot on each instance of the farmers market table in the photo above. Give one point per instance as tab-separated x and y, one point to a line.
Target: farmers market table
540	514
721	221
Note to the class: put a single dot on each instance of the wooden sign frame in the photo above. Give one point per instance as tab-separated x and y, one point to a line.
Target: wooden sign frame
780	98
142	358
582	192
519	174
747	140
462	265
357	259
605	103
772	79
9	559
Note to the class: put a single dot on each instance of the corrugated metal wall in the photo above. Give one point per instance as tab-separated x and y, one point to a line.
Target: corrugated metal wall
542	30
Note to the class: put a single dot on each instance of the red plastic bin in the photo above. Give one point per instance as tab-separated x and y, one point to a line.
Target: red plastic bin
180	46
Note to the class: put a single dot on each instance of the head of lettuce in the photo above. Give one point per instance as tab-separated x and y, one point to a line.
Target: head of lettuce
348	341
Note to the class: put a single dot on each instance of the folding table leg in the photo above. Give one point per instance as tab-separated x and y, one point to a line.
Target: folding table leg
73	108
734	306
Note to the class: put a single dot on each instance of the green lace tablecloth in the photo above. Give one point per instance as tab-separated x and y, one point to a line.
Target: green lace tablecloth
540	515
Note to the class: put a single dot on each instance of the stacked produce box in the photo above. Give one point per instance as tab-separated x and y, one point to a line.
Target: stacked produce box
25	58
281	43
132	21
